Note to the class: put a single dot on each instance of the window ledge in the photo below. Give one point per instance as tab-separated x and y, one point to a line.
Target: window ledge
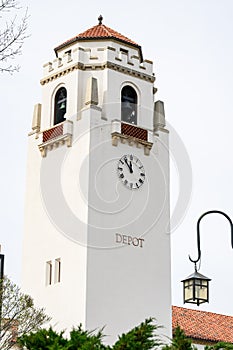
131	134
56	136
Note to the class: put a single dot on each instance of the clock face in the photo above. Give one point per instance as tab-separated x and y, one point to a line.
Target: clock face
131	171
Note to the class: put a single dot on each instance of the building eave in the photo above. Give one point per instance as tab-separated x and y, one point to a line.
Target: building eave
86	39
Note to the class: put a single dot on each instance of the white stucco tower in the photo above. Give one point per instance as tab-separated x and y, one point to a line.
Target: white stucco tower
96	243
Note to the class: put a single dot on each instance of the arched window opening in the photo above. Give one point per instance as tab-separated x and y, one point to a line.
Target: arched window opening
60	105
129	105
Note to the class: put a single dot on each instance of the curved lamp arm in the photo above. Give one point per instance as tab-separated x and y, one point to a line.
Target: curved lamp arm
198	231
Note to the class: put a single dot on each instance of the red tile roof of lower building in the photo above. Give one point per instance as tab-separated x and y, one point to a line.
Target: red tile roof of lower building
202	325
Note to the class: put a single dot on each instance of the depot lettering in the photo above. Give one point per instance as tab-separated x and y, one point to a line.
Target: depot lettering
129	240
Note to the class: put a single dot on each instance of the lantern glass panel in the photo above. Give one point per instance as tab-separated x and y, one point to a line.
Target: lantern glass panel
188	289
201	292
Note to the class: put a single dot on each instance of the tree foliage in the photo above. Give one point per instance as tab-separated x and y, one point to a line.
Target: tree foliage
179	341
12	34
43	339
18	314
142	337
220	345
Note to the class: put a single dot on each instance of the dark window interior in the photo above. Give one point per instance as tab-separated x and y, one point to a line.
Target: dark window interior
129	105
60	105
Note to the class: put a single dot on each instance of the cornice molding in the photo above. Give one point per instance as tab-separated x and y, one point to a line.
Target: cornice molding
131	141
106	65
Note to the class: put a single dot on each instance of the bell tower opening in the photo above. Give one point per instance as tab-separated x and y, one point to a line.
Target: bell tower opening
60	105
129	101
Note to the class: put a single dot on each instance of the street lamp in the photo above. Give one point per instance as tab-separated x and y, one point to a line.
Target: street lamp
1	288
1	267
196	286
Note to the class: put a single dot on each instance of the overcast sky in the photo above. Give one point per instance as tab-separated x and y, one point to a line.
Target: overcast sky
190	43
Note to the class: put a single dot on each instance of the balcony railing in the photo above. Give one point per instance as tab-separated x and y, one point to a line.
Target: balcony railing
132	134
59	134
53	133
134	131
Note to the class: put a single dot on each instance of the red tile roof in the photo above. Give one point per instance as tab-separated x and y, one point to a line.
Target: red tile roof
202	325
99	32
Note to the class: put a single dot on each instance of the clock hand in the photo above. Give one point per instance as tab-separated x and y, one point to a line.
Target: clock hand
129	165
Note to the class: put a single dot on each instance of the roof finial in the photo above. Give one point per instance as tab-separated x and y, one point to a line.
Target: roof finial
100	19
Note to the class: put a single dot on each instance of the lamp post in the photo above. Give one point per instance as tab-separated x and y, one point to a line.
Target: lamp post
1	266
196	286
1	288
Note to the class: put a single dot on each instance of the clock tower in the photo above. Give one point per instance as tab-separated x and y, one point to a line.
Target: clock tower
96	244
